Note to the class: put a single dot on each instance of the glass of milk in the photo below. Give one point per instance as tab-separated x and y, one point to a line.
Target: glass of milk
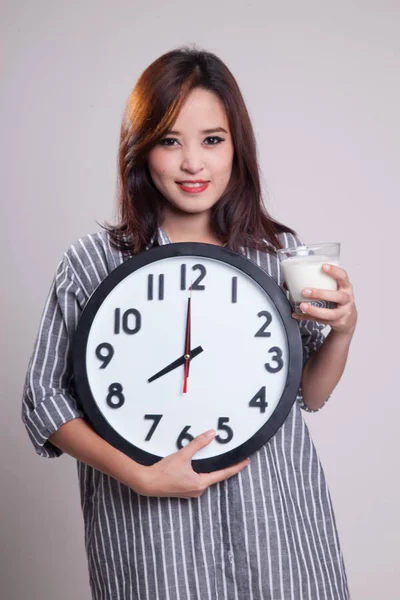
302	268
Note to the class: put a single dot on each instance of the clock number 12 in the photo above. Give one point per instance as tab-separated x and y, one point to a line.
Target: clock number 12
196	284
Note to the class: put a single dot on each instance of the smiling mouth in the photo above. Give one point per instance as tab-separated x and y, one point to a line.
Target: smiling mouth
192	183
193	188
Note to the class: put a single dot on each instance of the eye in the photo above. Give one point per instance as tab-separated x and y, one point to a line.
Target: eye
162	142
210	141
217	140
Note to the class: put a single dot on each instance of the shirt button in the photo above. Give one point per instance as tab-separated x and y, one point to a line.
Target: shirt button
230	556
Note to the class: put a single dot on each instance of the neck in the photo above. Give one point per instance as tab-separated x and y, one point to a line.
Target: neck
184	227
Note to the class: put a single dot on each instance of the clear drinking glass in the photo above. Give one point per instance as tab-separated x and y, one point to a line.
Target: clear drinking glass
302	267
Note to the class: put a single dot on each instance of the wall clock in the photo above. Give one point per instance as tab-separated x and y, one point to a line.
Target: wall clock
183	338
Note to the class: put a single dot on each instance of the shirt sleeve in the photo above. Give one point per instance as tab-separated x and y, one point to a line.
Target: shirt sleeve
312	336
48	401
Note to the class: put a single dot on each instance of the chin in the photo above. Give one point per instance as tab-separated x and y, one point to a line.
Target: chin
192	207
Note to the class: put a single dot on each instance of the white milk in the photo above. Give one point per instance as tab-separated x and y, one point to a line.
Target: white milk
306	271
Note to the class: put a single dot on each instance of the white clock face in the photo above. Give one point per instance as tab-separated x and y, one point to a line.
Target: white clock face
237	372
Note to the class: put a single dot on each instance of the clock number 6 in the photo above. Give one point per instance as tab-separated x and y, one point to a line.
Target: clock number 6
184	435
277	358
115	391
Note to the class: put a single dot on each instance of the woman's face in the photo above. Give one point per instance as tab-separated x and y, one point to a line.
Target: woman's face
199	147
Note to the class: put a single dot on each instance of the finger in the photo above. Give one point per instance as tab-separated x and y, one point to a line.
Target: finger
321	314
223	474
197	443
338	296
337	273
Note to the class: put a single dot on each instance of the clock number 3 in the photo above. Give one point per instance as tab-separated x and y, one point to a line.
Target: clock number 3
277	357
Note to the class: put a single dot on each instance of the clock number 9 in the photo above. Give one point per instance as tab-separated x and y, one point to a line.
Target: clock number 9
115	391
277	358
105	358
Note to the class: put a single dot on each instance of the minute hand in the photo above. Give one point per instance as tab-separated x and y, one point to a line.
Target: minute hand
177	363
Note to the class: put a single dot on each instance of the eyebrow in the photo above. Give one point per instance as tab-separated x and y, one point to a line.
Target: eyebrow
205	131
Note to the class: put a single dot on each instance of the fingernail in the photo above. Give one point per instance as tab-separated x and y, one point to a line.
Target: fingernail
303	307
307	292
327	267
210	434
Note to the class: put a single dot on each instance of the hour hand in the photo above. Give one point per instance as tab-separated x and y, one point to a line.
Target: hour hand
177	363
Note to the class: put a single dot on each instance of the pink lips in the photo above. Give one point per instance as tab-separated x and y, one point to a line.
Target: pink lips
193	190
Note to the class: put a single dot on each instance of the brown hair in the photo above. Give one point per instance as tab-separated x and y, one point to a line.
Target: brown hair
239	217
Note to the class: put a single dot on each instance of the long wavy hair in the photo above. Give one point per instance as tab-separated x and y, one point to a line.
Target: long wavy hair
239	217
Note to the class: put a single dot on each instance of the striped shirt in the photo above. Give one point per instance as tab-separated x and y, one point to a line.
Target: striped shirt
269	532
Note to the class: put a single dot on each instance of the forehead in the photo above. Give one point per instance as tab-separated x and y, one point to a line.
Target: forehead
202	109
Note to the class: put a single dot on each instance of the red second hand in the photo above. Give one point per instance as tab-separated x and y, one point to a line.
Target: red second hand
187	348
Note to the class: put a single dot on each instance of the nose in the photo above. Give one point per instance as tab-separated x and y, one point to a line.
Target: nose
192	161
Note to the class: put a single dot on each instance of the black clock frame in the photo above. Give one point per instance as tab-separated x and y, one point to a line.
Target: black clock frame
250	268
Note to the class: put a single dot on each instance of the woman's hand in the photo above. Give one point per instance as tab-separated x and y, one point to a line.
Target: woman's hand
174	477
342	319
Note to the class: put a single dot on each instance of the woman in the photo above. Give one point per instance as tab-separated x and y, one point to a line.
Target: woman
261	530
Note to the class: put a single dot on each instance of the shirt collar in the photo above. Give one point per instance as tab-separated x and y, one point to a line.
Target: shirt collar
162	238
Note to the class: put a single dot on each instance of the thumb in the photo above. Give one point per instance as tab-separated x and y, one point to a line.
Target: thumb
197	443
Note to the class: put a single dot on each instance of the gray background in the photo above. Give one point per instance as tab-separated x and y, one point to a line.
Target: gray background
321	81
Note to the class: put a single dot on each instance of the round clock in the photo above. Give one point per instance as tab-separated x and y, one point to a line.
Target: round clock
184	338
